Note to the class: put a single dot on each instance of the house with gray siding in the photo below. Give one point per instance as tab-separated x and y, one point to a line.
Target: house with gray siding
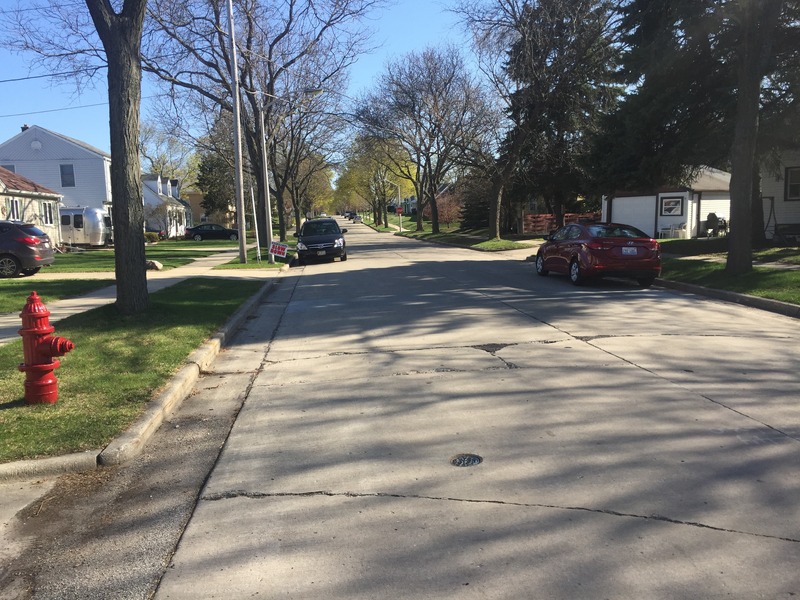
80	173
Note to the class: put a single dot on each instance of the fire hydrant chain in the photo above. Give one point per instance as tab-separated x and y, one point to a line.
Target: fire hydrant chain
39	349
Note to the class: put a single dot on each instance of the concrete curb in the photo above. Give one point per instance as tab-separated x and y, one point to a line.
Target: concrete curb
775	306
132	441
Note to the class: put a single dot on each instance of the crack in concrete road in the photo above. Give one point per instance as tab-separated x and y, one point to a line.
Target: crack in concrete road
601	511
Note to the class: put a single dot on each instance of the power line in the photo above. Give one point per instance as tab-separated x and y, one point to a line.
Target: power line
12	11
52	110
64	74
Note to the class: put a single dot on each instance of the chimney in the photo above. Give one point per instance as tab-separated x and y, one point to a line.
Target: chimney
25	127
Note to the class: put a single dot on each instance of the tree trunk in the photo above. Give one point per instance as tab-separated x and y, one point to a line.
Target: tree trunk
506	166
758	20
494	211
758	235
121	36
558	208
434	213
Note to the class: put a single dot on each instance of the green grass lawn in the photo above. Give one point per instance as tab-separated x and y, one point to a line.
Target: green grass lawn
14	292
98	261
117	365
765	282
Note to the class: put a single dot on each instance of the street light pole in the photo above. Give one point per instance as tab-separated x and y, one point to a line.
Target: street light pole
237	141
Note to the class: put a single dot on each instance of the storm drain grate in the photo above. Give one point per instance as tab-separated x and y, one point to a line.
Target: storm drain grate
466	460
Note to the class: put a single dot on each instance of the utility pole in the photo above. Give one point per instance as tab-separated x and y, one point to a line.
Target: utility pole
237	141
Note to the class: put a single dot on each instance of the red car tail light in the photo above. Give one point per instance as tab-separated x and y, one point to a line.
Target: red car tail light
597	246
28	240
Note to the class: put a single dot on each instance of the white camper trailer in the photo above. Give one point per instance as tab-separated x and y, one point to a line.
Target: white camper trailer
85	227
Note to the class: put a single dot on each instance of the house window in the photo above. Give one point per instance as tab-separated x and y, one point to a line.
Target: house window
793	183
47	213
672	207
13	209
67	176
9	168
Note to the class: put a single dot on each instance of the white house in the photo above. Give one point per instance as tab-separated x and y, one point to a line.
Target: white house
674	211
24	200
80	173
780	194
163	209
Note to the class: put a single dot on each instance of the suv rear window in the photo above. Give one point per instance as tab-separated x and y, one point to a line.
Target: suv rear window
320	228
32	230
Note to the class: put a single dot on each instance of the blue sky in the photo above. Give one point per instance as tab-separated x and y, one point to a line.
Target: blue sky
406	26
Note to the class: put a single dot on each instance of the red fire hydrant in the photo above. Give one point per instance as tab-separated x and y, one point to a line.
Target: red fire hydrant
39	348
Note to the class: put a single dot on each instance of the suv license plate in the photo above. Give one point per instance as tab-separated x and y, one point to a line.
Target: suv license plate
629	251
320	252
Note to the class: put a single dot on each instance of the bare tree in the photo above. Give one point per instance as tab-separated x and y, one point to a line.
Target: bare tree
121	35
163	153
188	49
307	134
431	106
65	41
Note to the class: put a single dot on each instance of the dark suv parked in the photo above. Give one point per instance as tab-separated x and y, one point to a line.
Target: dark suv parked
320	239
24	249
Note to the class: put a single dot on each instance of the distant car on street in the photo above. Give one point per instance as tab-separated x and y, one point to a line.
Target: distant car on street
320	239
24	249
211	231
585	250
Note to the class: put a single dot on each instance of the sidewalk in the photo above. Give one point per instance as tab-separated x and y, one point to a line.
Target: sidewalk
156	280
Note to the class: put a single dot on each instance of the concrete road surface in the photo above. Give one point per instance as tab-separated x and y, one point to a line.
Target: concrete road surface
633	443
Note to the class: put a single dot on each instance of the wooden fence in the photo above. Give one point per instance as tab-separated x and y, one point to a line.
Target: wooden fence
544	224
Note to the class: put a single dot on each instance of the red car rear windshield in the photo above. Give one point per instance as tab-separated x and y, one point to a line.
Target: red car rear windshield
611	231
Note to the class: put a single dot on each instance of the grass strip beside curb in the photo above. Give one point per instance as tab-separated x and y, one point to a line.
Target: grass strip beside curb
118	365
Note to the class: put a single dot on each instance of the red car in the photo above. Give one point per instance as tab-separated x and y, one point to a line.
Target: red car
584	250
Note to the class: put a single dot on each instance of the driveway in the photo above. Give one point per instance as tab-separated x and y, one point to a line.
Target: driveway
633	443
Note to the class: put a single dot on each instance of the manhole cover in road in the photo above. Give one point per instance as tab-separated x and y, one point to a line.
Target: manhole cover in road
466	460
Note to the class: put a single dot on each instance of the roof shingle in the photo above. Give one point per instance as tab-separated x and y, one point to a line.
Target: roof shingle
18	183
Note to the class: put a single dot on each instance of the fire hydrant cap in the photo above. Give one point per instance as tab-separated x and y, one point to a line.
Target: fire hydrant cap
34	305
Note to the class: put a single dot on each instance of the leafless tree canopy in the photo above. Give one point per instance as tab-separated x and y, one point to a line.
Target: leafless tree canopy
431	105
285	48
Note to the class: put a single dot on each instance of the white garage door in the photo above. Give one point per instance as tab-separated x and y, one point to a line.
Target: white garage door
639	211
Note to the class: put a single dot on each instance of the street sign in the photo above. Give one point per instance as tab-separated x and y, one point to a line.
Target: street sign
399	210
278	249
